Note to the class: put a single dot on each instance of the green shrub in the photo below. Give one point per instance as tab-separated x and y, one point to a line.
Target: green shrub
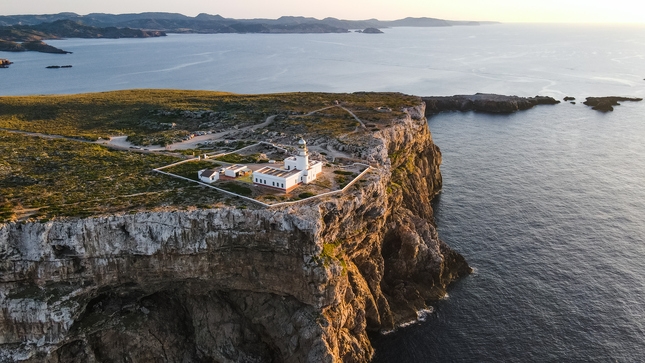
235	158
189	170
236	188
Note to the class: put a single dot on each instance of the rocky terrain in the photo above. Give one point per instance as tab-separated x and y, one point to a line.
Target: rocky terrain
606	104
303	283
482	102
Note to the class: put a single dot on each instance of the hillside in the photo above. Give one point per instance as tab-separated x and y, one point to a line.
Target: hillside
31	36
206	23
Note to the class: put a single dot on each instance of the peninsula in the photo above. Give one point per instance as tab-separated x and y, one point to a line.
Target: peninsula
19	38
484	102
102	257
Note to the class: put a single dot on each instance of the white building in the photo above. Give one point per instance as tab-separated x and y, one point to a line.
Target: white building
236	170
297	170
208	175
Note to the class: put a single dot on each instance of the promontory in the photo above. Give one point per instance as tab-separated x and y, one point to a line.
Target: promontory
143	225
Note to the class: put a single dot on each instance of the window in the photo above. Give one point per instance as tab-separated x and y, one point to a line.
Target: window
273	183
283	185
256	180
288	167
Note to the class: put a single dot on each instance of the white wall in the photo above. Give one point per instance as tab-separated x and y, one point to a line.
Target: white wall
213	177
276	181
290	163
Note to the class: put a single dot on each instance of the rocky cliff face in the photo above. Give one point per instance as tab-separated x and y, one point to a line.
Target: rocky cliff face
303	283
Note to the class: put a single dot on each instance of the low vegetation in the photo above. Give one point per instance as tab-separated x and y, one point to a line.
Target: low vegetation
235	158
236	188
189	169
150	116
43	178
47	178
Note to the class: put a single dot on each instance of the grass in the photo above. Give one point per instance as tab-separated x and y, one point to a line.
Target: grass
41	179
236	188
189	169
235	158
153	116
48	178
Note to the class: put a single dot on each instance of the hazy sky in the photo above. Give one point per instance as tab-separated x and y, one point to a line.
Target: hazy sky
574	11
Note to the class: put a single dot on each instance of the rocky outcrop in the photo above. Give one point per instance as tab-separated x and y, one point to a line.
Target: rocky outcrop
304	283
606	104
372	31
482	102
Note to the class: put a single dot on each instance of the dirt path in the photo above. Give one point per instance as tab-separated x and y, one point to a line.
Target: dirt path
354	116
192	143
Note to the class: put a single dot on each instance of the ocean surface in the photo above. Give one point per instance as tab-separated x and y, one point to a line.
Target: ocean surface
548	205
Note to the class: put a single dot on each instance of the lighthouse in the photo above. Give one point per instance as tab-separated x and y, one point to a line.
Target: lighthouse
297	170
302	159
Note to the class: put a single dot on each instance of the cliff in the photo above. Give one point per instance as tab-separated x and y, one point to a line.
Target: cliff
303	283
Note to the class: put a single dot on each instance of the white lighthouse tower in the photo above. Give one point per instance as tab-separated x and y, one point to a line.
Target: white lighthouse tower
302	159
297	170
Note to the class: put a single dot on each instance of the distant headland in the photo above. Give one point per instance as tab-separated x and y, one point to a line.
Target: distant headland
20	38
16	29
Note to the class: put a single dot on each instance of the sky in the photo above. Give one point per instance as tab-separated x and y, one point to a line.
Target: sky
542	11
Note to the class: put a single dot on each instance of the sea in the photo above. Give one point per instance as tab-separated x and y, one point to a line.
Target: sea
547	205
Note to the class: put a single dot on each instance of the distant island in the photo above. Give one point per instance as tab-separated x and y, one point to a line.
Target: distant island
372	31
606	104
17	29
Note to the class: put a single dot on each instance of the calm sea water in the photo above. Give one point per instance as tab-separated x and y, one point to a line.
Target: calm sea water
547	205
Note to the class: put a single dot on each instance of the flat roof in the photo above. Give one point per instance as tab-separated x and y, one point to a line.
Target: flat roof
207	173
235	167
277	172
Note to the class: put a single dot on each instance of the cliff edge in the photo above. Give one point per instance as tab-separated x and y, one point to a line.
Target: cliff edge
302	283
